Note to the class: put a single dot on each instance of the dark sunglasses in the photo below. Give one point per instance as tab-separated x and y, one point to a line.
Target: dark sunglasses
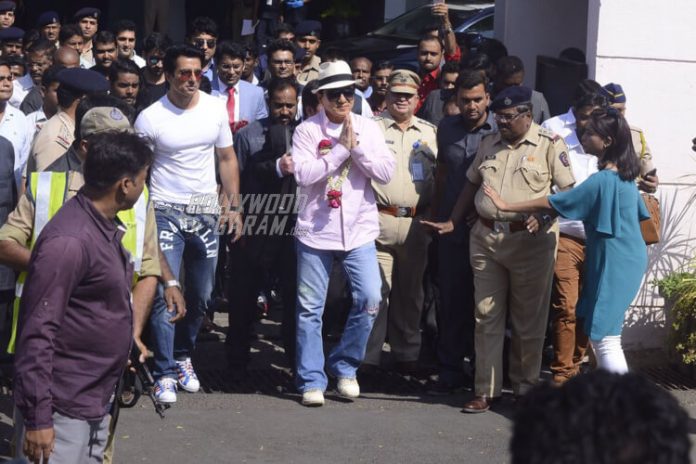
209	42
153	60
335	94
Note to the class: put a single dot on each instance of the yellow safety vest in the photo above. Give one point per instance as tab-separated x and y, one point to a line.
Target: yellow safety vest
50	190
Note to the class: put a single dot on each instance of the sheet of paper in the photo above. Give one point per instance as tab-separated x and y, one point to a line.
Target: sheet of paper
247	27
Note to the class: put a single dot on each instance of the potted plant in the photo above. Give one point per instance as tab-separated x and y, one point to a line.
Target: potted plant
679	291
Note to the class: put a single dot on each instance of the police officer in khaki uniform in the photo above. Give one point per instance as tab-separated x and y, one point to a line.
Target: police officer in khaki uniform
308	37
648	180
58	133
88	20
402	247
513	268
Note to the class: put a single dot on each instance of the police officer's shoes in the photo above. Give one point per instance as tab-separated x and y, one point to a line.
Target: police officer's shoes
479	404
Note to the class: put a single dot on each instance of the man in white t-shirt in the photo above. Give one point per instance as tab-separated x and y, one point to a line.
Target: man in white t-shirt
187	129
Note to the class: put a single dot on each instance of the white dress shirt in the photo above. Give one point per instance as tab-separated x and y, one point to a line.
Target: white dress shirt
224	96
582	164
15	128
20	89
140	62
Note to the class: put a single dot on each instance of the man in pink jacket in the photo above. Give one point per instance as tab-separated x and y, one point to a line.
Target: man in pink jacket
336	155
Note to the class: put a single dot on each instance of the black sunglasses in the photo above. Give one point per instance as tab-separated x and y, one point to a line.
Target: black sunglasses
153	60
210	43
335	94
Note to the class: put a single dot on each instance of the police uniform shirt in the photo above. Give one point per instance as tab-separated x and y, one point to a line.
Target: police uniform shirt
35	121
415	151
87	56
640	145
51	142
15	128
310	71
520	173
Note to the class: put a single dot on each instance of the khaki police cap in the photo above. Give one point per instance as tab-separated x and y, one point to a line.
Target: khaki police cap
102	119
404	81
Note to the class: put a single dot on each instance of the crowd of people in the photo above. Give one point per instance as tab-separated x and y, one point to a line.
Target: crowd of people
139	189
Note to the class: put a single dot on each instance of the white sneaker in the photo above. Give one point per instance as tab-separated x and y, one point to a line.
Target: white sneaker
188	380
165	390
348	388
313	398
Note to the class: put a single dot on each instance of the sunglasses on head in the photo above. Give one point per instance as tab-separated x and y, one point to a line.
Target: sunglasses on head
335	94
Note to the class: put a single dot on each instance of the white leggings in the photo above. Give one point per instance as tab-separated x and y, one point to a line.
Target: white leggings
610	355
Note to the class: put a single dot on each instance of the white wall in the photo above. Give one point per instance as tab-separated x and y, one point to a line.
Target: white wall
540	27
649	48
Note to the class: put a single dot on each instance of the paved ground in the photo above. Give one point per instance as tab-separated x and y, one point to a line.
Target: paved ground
261	421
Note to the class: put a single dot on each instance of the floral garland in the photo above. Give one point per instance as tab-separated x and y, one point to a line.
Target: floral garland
334	183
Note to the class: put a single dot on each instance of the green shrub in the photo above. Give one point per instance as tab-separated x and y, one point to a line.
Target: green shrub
681	289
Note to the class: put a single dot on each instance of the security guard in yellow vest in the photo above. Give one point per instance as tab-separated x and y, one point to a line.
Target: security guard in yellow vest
48	190
513	268
402	246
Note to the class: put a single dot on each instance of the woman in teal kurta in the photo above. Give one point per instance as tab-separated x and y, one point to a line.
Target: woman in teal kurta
611	209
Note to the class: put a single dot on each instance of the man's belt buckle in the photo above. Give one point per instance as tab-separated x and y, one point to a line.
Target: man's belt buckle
501	226
403	211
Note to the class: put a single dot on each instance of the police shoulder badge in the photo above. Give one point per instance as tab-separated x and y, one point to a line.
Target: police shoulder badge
564	159
115	114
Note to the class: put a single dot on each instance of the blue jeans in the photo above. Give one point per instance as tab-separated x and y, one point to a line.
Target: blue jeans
190	238
313	269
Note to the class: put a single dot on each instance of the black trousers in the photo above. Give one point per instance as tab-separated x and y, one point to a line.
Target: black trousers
250	260
455	319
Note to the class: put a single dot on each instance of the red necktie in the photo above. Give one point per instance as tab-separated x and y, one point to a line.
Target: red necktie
230	104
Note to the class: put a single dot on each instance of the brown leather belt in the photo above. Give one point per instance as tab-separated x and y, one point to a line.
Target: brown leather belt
399	211
502	226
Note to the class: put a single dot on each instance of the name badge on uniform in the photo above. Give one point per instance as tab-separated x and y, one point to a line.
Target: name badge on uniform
417	174
389	142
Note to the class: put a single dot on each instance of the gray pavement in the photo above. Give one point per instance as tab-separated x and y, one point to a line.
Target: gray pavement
393	422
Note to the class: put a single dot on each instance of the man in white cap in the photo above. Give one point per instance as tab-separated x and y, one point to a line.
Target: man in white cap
336	156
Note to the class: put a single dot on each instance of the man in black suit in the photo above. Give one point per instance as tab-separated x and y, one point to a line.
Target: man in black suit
270	201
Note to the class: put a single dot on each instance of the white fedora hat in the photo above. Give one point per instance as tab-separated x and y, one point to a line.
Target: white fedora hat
334	75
